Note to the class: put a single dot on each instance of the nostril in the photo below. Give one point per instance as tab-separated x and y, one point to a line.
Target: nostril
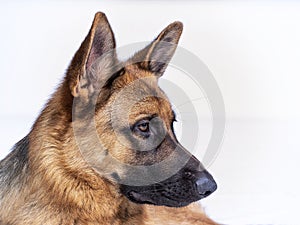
206	186
207	193
206	189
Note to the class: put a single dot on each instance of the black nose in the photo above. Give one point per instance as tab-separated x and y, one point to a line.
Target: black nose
205	184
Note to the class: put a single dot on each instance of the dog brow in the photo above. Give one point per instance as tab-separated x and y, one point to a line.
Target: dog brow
146	116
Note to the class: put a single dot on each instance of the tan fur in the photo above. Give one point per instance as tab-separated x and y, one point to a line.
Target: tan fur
58	187
188	215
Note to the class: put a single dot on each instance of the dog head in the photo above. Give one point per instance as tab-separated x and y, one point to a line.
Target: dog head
124	122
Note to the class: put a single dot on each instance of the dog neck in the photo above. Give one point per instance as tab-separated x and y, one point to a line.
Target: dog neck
61	180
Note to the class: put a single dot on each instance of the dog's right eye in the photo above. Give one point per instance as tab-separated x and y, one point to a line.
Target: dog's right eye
142	128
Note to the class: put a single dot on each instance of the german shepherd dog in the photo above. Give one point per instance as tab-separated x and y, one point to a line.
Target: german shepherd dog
91	155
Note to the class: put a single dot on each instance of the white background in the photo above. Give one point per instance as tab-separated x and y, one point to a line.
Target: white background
252	49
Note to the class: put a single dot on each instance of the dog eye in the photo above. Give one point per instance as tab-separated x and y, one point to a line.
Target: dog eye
143	127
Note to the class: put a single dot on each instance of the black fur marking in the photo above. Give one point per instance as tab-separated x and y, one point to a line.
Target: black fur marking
116	177
117	74
13	166
181	189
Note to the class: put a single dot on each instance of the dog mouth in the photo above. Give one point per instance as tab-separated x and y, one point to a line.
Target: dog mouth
172	192
190	184
177	195
142	198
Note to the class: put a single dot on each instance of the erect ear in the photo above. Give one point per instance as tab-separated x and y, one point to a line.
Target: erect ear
90	68
156	56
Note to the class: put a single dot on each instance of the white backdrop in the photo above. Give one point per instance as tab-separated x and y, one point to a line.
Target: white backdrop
252	49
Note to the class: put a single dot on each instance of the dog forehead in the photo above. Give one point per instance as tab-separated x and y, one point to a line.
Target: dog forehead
136	71
139	94
151	106
133	73
136	81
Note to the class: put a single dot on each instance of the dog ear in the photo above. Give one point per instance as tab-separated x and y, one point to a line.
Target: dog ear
156	56
91	66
